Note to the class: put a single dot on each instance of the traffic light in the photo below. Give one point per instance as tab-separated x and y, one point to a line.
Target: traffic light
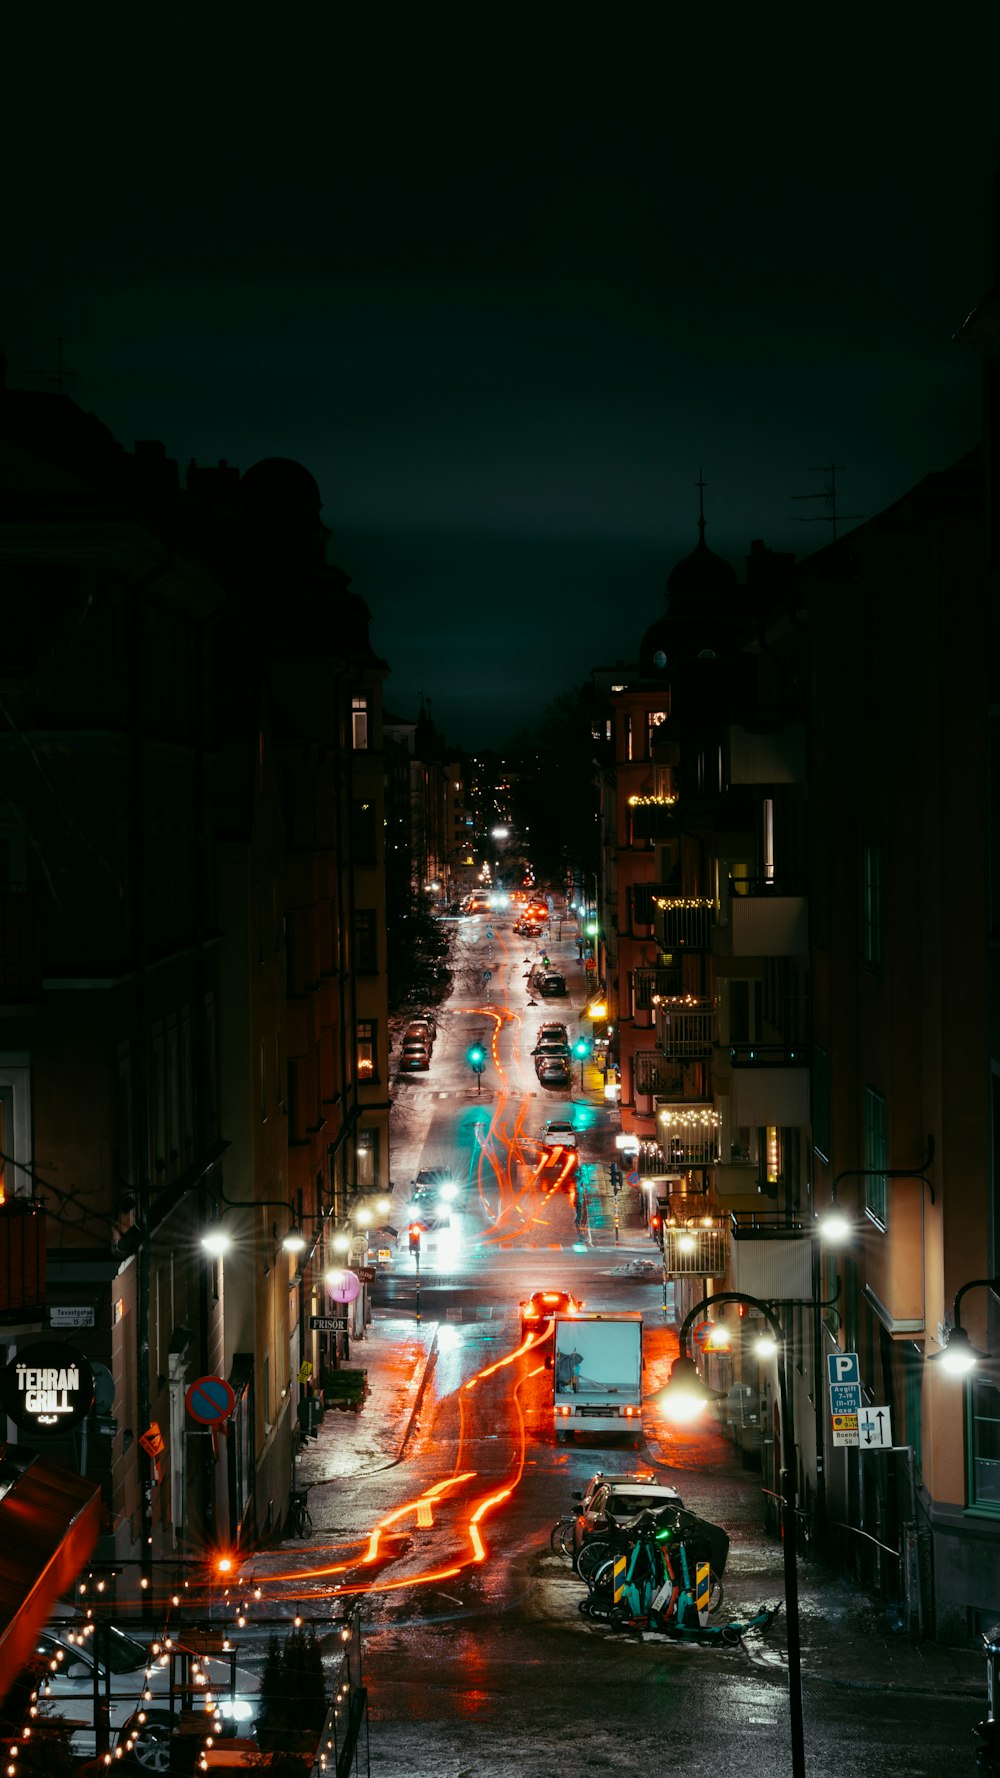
581	1049
656	1226
477	1058
416	1230
616	1178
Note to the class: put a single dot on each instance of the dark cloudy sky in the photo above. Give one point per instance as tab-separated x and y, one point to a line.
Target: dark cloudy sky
503	278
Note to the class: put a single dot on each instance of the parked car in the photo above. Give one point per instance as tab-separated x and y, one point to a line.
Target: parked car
552	1071
610	1501
542	1305
552	1029
551	1047
558	1133
125	1666
552	983
420	1028
414	1054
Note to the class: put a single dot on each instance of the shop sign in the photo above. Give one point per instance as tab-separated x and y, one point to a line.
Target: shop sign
48	1388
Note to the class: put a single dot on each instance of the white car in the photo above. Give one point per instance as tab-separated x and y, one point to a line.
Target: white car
138	1683
558	1134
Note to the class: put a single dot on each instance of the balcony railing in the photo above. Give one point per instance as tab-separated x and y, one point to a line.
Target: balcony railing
688	1133
654	1075
695	1252
683	922
685	1027
651	818
771	1257
650	984
761	918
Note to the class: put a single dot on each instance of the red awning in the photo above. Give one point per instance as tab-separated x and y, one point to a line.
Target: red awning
50	1521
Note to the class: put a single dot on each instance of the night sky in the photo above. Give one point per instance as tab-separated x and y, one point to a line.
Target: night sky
503	279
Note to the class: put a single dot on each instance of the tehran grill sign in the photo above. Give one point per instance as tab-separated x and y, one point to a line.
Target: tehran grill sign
48	1387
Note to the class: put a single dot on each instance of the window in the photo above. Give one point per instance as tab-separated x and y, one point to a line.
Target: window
654	721
365	942
768	839
367	1049
821	1101
363	833
876	1187
871	911
627	732
983	1444
367	1160
359	724
262	1084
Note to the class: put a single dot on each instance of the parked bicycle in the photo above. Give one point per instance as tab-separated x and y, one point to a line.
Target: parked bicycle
299	1517
561	1535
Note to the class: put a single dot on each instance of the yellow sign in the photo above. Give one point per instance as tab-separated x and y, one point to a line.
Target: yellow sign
702	1590
384	1253
305	1370
619	1577
845	1422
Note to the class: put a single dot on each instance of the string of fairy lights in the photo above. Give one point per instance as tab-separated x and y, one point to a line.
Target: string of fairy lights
164	1649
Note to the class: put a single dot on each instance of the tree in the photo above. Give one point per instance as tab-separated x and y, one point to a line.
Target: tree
417	950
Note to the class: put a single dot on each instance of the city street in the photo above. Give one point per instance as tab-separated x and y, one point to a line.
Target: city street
477	1659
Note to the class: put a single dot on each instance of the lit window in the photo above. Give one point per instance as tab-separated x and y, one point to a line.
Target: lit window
367	1049
359	724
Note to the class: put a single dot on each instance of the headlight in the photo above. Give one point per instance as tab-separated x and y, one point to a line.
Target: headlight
237	1708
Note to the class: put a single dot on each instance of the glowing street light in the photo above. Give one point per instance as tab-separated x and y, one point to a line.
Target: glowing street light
958	1356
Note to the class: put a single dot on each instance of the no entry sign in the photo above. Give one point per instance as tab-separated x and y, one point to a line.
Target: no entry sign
210	1400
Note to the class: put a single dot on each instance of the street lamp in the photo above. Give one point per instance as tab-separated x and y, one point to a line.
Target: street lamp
683	1399
958	1356
835	1226
217	1241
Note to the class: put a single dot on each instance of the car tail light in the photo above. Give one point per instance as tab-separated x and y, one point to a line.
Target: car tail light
630	1413
531	1314
563	1412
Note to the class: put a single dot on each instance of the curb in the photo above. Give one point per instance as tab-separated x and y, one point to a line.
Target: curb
429	1360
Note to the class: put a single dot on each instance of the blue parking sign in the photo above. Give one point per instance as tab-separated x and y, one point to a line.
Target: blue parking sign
843	1367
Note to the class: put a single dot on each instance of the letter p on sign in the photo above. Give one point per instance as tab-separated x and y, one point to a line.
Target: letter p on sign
843	1367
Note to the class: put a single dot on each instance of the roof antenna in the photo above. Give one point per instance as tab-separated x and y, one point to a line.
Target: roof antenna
829	494
62	373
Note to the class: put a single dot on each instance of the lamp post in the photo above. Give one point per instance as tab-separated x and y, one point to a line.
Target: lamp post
958	1356
689	1400
834	1225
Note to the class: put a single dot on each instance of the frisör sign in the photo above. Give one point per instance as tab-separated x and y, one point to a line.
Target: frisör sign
48	1388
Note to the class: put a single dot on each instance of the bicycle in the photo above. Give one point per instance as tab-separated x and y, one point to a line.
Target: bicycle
561	1535
300	1519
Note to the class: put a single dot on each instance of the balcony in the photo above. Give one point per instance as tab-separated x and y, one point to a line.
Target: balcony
683	922
651	818
775	758
688	1133
20	948
695	1252
22	1259
769	1085
685	1027
649	985
762	917
653	1075
771	1258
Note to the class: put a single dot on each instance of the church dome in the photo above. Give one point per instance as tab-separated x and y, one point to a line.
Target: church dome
279	487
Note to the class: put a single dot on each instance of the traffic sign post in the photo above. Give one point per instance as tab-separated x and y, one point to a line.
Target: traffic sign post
844	1371
210	1400
875	1429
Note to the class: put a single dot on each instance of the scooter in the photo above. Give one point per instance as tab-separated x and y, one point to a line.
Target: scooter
659	1591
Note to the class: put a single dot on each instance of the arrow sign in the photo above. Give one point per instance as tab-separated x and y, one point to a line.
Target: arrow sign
874	1429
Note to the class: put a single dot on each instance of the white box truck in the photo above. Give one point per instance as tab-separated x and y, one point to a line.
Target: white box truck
597	1373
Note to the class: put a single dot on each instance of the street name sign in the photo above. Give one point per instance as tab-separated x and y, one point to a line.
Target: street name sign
875	1429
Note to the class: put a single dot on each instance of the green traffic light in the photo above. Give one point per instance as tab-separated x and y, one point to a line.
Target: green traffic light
477	1055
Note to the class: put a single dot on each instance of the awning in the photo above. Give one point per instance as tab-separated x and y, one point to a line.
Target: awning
50	1521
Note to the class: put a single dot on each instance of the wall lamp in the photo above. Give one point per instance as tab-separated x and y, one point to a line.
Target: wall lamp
958	1356
836	1226
216	1240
